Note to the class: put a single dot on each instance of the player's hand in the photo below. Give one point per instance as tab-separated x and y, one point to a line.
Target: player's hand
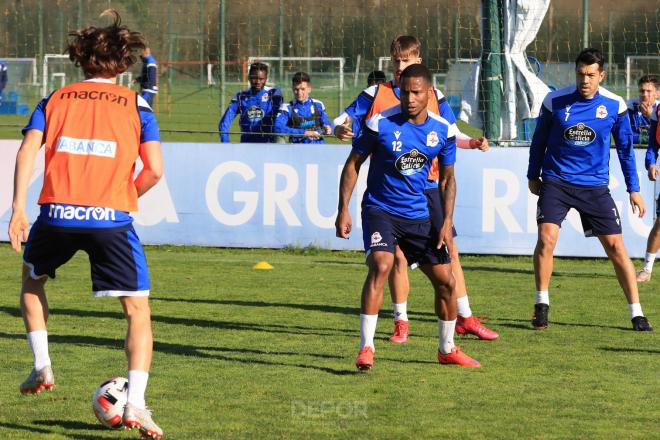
18	229
653	173
534	186
327	130
311	134
446	236
646	108
481	144
637	204
343	225
344	132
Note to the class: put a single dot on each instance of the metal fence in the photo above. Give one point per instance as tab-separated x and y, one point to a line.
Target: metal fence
203	46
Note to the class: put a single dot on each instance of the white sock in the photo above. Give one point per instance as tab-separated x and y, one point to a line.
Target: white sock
635	310
367	330
648	262
38	341
542	297
401	311
446	333
464	309
137	385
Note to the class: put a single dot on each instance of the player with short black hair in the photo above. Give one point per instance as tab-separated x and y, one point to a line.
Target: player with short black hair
401	143
376	77
256	107
569	168
405	51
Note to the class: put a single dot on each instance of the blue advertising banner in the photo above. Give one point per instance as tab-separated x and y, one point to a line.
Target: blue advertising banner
275	195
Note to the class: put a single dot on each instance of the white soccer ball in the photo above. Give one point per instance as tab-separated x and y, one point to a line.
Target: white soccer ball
109	401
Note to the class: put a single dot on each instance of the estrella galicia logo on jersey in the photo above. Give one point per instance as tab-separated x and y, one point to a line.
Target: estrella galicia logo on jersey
411	162
255	113
580	134
432	139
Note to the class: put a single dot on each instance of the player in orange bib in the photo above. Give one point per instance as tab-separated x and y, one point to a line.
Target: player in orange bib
405	50
93	133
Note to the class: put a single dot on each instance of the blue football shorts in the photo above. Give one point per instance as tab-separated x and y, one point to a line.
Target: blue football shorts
118	263
598	212
417	239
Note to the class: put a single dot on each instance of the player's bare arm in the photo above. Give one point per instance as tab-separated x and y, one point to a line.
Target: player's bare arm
637	204
349	175
534	186
447	184
19	224
653	173
481	144
152	157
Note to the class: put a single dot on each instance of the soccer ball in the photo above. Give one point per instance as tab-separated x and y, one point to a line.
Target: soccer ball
109	401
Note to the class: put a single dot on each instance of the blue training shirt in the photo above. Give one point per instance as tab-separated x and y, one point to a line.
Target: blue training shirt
401	154
257	112
571	143
297	117
639	123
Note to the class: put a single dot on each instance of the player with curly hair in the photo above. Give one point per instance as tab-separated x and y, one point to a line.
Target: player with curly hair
93	132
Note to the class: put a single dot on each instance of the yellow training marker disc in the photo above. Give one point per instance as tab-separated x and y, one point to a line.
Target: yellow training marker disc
263	265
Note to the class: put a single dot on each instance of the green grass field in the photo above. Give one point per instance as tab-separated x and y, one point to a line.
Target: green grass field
245	354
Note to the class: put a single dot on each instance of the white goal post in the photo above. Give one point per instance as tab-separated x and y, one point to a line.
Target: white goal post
34	80
629	61
44	82
382	62
340	60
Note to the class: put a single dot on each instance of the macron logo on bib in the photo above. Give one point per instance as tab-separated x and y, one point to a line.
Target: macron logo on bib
87	147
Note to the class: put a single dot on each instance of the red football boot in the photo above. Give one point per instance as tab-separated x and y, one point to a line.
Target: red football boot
459	358
365	359
473	326
401	332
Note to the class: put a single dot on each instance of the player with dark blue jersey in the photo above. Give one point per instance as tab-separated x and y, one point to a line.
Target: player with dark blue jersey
641	108
149	77
402	142
569	168
256	107
304	116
